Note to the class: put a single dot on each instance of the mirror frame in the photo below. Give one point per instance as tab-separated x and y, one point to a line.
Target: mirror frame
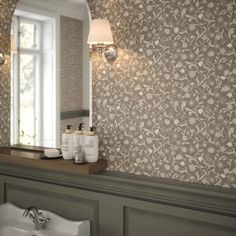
27	5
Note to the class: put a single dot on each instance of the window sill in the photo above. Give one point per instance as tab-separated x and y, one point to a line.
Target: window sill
28	148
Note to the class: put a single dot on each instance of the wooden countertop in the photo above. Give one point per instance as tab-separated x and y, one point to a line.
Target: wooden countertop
29	158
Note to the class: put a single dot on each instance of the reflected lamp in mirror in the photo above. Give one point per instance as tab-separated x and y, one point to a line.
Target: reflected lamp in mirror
2	58
100	39
2	55
13	44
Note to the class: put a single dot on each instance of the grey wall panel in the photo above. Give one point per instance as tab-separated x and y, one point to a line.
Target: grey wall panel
139	222
111	216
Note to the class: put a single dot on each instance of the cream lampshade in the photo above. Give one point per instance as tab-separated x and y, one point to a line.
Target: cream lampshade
100	32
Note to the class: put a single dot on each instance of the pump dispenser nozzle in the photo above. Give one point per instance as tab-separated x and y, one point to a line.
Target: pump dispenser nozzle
80	131
92	130
68	129
81	126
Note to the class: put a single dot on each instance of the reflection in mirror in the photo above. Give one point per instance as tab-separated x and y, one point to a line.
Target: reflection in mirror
50	70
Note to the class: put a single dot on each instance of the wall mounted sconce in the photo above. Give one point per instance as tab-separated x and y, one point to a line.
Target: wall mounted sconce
2	58
100	39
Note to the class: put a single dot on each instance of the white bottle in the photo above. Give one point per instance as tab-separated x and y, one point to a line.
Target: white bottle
91	146
67	144
78	145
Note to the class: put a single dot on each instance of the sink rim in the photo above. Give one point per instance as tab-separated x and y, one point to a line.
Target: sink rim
30	232
14	217
9	204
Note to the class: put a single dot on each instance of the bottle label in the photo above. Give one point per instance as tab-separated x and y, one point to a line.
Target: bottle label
91	148
65	144
90	144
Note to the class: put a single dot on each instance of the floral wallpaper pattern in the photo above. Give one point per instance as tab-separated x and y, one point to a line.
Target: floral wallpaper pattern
71	69
7	8
166	107
71	63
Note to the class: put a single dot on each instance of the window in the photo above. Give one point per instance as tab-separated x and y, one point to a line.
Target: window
33	81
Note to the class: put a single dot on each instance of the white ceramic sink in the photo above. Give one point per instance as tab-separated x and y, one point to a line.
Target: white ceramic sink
8	230
12	223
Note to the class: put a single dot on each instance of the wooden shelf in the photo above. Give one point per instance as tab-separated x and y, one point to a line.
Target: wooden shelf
32	159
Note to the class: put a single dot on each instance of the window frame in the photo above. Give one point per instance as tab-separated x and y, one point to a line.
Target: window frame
39	116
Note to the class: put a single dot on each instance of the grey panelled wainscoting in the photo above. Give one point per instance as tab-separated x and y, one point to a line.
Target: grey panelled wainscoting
124	205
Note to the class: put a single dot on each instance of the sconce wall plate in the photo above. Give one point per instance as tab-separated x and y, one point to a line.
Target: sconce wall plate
110	53
2	58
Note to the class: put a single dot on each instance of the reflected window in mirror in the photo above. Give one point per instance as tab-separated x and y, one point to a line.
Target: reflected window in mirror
33	80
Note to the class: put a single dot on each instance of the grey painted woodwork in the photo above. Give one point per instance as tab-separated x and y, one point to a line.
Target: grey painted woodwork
74	114
123	204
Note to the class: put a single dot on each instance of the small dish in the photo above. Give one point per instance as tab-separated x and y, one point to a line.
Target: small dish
42	156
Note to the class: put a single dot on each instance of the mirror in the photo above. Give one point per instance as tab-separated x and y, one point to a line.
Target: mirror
50	70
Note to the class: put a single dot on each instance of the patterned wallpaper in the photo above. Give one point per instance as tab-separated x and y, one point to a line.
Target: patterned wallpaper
71	68
71	63
7	8
166	107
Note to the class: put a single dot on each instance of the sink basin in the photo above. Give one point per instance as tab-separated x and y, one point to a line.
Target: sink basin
17	231
12	223
10	230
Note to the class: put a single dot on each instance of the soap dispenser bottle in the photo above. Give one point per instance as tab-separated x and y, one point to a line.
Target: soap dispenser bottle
67	143
78	145
91	146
